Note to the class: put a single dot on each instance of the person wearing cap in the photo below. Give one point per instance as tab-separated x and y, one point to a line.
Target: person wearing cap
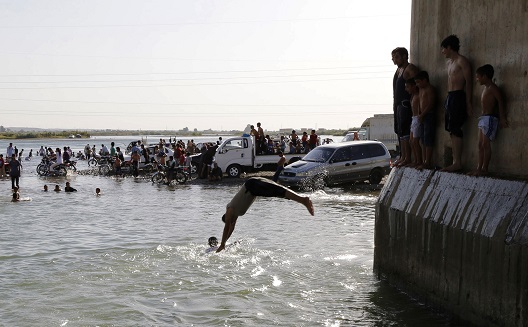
253	187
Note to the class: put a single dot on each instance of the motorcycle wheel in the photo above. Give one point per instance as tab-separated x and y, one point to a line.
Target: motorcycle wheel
180	177
157	177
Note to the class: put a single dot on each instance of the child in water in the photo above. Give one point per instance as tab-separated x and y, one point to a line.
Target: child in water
16	195
213	244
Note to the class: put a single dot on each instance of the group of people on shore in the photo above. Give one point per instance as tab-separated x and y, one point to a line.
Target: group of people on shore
291	143
415	101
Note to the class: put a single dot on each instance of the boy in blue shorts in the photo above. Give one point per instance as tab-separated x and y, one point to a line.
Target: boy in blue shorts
489	122
426	117
416	124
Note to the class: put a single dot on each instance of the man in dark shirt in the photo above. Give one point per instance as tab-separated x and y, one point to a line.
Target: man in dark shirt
14	171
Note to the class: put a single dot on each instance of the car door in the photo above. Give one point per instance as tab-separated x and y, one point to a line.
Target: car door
361	162
339	166
235	150
351	164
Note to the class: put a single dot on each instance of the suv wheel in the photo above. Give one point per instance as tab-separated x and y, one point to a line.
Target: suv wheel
375	176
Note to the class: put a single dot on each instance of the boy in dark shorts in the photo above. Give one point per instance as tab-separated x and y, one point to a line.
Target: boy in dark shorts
458	103
253	187
426	117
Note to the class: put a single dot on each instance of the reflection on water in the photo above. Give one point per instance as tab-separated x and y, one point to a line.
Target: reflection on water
135	256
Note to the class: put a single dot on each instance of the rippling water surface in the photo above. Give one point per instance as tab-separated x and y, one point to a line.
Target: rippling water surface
135	256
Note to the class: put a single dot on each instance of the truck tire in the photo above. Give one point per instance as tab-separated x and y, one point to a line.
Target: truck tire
375	176
234	171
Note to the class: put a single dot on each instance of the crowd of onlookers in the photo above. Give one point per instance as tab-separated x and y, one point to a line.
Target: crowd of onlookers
291	143
171	153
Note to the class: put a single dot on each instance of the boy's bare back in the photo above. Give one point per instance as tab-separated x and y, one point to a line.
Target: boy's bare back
427	98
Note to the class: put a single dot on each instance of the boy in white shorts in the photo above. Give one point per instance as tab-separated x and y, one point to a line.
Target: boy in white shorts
489	122
416	124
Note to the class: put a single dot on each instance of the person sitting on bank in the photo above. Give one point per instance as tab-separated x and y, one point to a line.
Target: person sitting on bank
216	173
253	187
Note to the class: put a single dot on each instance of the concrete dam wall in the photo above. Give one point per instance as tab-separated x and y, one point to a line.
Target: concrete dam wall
457	242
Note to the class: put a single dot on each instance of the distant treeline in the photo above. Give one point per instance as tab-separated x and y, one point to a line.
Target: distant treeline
86	134
42	135
142	132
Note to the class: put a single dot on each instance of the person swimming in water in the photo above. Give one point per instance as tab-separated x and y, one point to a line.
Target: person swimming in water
16	195
213	244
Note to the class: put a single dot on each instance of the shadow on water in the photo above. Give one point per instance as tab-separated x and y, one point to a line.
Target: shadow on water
387	303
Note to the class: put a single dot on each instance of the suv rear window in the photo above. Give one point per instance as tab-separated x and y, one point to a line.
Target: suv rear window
364	151
375	150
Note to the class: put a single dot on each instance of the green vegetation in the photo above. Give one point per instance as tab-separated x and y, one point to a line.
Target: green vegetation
41	134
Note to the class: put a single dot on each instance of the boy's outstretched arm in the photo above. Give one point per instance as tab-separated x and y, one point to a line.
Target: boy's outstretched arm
229	227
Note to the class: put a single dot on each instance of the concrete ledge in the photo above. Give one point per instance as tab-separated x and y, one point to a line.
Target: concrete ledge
457	242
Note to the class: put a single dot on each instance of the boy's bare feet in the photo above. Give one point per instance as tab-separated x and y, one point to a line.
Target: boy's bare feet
308	204
453	168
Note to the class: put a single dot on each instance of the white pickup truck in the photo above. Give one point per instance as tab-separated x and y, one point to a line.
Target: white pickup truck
238	153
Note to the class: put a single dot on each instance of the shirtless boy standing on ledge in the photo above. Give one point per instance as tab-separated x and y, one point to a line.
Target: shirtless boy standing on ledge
458	103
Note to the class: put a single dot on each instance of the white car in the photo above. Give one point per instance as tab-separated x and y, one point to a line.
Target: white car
339	163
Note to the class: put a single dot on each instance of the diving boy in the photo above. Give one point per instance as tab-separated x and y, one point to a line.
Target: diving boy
489	122
252	188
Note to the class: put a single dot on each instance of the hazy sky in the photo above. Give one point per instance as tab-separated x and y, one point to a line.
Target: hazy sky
170	64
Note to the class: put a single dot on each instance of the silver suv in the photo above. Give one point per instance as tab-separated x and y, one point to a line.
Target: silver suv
339	163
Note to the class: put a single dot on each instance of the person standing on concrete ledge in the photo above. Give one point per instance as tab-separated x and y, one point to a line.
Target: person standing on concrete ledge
458	102
427	117
489	122
401	106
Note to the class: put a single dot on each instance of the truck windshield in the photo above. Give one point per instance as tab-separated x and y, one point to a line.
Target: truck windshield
233	144
318	155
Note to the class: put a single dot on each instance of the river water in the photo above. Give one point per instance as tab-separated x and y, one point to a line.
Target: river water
135	256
